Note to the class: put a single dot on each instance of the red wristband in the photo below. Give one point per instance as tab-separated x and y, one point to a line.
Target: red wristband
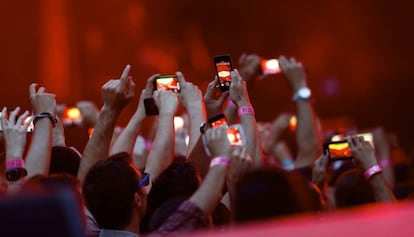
15	163
220	160
245	110
375	169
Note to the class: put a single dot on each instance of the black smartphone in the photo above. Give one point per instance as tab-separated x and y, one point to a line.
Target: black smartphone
338	150
217	121
150	107
167	83
223	66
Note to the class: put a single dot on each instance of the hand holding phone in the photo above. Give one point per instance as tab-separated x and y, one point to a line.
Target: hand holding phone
223	66
167	83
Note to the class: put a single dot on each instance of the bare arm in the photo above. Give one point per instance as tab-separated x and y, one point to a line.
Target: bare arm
38	156
116	94
161	154
307	133
240	97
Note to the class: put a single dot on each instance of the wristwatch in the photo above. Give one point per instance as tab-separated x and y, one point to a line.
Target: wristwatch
303	93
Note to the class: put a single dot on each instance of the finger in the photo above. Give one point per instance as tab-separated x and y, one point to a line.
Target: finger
3	117
41	90
210	89
22	117
124	77
12	118
292	60
181	78
150	82
324	161
131	87
242	58
223	97
28	122
283	62
32	89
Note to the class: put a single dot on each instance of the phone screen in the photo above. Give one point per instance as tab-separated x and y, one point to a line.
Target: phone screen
223	69
367	137
178	122
270	66
168	83
234	136
217	121
339	150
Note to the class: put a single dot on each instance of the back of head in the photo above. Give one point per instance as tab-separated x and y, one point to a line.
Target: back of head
64	160
109	189
353	189
271	192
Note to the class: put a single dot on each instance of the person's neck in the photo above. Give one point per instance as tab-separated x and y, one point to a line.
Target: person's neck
134	224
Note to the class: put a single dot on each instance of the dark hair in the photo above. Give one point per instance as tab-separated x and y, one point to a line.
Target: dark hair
353	189
109	189
178	180
64	160
271	192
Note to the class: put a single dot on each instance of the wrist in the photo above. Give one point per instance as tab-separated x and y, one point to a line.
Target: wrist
371	171
245	110
220	161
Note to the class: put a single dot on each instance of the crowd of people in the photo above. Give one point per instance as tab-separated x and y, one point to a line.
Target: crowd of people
185	178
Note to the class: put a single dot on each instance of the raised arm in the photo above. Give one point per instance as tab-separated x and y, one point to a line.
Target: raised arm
44	108
161	154
307	133
364	155
126	140
192	100
116	95
240	97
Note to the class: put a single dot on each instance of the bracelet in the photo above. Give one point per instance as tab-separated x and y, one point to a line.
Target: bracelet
220	160
245	110
45	115
14	163
385	163
375	169
288	164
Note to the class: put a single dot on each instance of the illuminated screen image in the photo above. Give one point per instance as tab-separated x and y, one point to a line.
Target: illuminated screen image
219	123
234	136
270	66
339	150
168	84
223	71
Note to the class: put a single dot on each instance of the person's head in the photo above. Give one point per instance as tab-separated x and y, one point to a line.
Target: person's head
111	192
353	189
64	160
271	192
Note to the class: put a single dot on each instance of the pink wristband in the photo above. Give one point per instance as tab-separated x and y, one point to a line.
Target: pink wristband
220	160
15	163
148	145
245	110
375	169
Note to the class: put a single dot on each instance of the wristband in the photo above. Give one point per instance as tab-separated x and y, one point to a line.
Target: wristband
385	163
288	164
15	163
148	145
375	169
220	160
245	110
45	115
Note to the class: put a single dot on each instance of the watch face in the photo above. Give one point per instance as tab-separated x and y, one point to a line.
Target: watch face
304	93
15	174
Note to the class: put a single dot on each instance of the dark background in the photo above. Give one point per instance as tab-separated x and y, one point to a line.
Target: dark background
358	53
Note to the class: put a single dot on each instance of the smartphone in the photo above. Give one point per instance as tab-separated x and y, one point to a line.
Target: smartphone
167	83
223	66
293	121
270	66
338	150
150	107
217	121
235	134
178	122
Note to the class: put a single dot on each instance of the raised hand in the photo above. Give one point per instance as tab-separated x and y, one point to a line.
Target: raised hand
14	132
89	112
293	72
117	93
213	99
166	102
362	152
146	93
240	163
238	90
41	101
249	65
190	93
320	170
217	141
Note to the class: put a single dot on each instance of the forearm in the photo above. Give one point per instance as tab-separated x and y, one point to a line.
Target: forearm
209	194
253	141
381	189
38	157
307	135
161	154
98	145
197	116
126	140
199	158
231	113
